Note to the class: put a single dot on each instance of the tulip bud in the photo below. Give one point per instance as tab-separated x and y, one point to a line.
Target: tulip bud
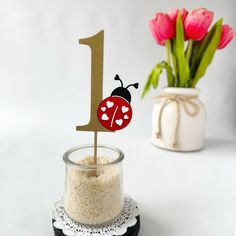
173	14
227	35
162	28
197	22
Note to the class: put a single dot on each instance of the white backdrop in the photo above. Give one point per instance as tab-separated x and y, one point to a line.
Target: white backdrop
45	73
44	94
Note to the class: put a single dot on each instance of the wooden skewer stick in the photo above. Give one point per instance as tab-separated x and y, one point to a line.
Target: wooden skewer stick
95	147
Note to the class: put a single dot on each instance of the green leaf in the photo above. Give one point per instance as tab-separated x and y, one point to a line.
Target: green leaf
199	49
202	45
196	46
147	85
169	72
153	78
182	63
170	76
208	51
155	75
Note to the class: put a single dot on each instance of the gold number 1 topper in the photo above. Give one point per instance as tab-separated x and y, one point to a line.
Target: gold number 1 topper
96	43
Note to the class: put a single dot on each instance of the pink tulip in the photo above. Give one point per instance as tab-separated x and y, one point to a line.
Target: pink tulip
197	22
227	35
162	28
173	14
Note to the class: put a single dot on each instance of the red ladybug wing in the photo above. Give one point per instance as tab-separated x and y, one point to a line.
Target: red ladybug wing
105	112
114	113
123	114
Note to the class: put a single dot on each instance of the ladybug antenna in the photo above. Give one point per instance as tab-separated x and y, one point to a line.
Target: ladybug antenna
134	85
118	78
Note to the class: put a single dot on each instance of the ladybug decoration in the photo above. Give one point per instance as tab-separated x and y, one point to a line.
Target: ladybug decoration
115	112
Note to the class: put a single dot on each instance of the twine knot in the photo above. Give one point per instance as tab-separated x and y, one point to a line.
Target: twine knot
181	100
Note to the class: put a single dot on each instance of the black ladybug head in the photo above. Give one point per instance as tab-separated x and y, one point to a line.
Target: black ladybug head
122	91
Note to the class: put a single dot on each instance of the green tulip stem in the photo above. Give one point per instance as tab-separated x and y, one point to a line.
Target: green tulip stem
168	52
189	50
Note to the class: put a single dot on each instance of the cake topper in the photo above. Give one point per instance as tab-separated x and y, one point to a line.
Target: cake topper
115	112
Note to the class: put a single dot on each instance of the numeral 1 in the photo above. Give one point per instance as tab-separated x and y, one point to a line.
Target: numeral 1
96	43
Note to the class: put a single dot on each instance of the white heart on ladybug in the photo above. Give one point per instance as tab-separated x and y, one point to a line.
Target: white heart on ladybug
110	104
126	117
124	109
105	117
119	122
103	108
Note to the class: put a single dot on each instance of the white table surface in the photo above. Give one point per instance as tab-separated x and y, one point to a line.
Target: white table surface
179	194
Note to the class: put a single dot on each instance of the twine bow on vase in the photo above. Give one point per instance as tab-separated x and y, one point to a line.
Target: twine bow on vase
181	100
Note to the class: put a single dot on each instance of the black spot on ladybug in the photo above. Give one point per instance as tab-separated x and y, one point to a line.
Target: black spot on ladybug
122	91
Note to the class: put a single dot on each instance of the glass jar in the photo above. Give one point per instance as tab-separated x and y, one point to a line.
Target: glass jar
93	193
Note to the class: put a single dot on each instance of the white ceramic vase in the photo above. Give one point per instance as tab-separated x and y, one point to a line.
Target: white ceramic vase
178	120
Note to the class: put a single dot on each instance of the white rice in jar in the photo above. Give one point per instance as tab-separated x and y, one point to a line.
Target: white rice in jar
93	197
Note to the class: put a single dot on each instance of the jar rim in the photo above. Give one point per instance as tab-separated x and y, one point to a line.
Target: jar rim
68	161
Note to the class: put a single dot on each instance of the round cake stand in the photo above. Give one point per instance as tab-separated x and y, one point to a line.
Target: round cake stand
126	224
131	231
